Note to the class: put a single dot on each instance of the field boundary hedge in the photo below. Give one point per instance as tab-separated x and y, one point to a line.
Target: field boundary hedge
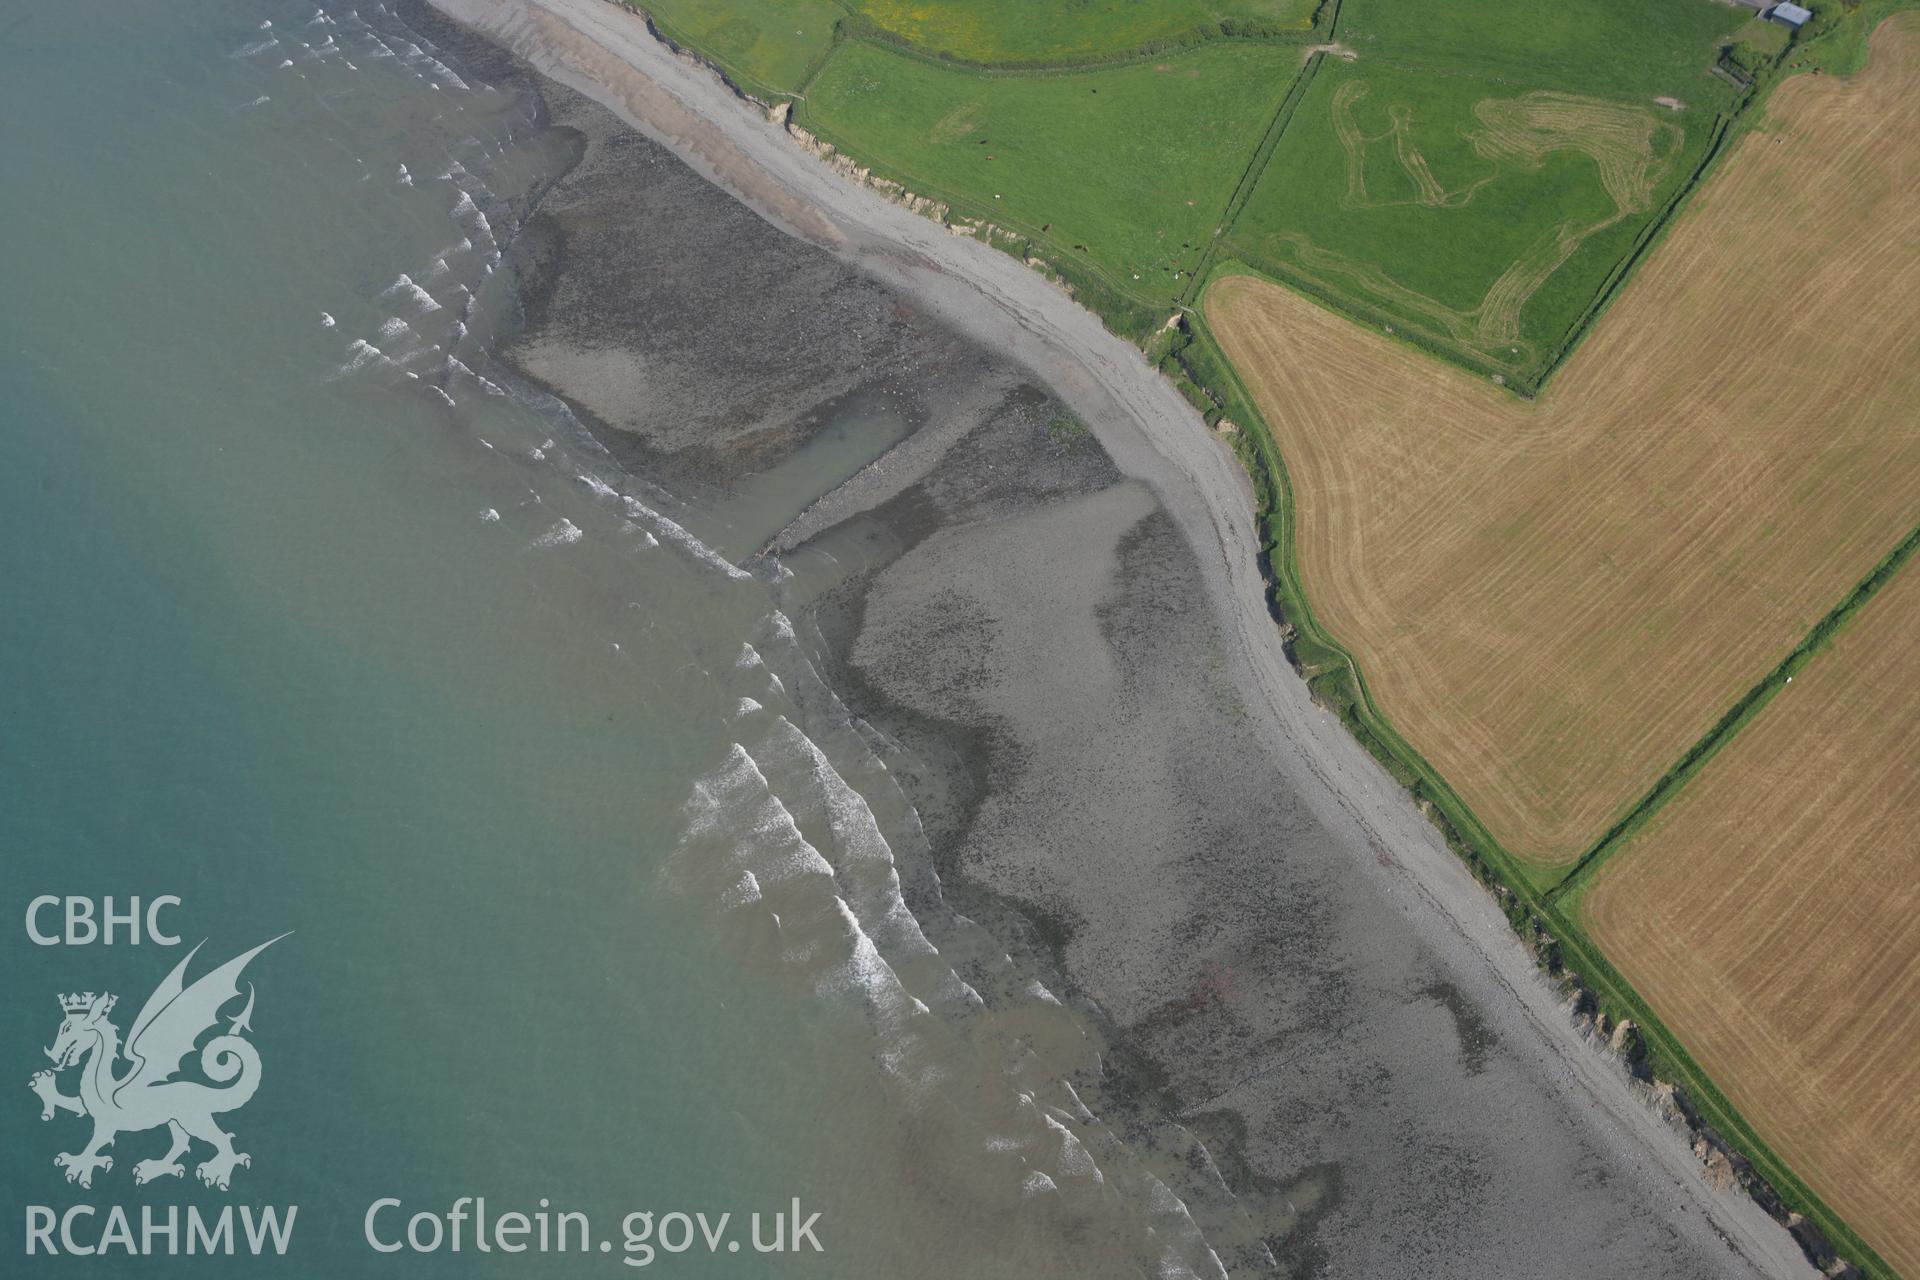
1736	718
1528	380
1544	910
1539	903
1651	234
1127	312
1532	907
1256	165
1320	26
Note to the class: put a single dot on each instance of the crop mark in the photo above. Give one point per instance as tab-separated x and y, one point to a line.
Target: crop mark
1631	150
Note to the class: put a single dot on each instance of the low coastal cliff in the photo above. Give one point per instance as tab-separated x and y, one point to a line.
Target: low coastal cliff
1197	374
1154	431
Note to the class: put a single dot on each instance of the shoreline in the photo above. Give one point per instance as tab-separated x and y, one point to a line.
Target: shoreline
1152	435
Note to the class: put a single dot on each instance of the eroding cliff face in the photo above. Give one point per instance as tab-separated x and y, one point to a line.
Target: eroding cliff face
1723	1169
781	114
820	149
1526	1139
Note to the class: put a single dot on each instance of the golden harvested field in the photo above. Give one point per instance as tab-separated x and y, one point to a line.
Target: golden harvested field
1553	601
1771	915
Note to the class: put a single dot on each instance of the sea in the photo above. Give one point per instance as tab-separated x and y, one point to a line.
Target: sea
588	947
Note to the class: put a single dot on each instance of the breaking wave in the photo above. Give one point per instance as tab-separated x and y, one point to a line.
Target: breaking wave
797	845
800	843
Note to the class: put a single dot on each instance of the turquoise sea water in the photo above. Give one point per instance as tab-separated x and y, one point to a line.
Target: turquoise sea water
315	620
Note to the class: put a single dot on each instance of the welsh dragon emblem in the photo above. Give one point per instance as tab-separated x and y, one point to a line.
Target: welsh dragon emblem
146	1095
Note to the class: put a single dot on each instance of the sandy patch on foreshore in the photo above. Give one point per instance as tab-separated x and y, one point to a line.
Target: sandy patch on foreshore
1389	859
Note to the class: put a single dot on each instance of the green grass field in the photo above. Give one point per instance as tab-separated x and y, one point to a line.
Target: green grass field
1006	31
1637	49
1121	169
1478	177
1836	40
1476	181
768	47
771	46
1428	185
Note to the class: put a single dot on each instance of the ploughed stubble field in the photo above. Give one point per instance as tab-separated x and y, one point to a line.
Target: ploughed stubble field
1553	600
1771	914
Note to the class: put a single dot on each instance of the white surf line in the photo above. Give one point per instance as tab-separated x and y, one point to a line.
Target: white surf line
1152	434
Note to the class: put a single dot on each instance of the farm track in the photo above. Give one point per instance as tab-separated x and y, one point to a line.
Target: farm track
1553	601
